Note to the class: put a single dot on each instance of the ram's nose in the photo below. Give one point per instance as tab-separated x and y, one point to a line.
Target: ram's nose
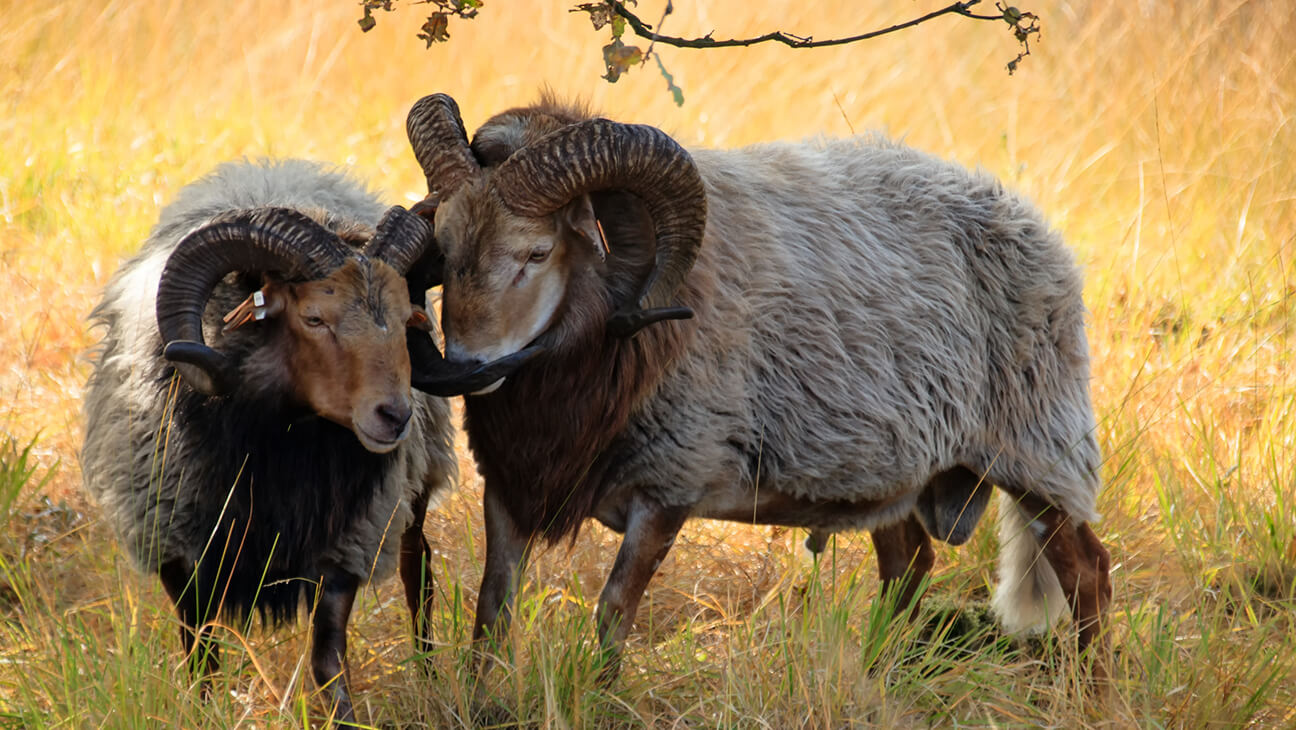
383	427
394	415
457	353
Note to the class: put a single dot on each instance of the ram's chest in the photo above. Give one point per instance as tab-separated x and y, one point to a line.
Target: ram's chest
678	450
281	491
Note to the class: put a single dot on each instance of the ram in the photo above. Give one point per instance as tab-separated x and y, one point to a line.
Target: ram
841	334
289	461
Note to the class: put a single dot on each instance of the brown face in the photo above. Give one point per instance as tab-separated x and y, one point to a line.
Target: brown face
505	275
346	348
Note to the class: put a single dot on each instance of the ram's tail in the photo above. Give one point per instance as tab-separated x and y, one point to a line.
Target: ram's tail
1029	597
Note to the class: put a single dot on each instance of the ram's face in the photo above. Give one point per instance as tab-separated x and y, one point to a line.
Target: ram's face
505	277
346	351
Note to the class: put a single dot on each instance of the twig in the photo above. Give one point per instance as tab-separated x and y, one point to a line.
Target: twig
645	31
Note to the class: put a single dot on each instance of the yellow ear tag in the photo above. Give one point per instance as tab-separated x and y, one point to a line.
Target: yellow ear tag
602	236
419	320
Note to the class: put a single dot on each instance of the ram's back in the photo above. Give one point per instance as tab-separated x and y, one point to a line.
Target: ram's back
868	315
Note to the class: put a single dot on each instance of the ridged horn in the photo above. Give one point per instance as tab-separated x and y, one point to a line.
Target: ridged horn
600	154
405	241
440	142
264	239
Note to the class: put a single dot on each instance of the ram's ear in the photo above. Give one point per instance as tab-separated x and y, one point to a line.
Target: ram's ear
264	303
419	320
578	216
426	208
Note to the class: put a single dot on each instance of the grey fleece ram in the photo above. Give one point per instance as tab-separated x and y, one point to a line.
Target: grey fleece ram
871	324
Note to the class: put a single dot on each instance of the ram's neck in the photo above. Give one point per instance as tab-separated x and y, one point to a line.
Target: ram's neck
541	440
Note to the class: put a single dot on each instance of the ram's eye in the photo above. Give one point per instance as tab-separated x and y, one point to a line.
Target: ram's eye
538	255
313	321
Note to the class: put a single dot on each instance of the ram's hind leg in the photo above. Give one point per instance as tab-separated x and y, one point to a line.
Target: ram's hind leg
905	557
194	610
416	575
1083	569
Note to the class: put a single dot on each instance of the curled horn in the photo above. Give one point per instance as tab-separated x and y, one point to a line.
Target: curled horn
264	239
405	241
599	154
440	142
431	373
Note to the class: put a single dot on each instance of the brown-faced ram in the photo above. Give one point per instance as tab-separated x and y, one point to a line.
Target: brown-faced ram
876	338
290	461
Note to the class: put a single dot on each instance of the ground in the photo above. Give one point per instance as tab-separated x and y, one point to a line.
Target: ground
1159	140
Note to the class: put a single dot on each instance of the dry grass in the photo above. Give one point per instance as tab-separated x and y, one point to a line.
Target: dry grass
1158	140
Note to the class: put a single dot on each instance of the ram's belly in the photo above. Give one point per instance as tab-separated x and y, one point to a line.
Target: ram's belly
739	503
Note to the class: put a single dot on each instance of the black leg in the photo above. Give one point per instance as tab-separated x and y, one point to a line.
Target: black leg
416	575
194	610
329	641
905	557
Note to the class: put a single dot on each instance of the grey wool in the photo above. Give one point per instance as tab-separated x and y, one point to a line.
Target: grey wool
866	318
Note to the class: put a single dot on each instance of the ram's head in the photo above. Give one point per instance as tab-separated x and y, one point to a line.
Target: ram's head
585	227
333	318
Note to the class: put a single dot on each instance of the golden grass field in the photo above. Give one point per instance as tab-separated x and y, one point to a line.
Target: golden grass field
1160	141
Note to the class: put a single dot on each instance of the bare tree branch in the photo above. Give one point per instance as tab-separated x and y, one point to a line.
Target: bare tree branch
643	30
619	57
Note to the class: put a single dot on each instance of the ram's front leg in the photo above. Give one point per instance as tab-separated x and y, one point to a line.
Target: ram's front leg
329	641
416	575
194	606
506	554
649	533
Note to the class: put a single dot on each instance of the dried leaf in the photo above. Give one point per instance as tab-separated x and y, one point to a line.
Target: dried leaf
435	30
367	23
599	13
465	8
619	58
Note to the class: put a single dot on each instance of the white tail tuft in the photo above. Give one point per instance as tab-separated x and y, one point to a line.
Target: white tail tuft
1029	597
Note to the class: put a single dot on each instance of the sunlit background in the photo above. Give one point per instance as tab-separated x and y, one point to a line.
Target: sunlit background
1156	136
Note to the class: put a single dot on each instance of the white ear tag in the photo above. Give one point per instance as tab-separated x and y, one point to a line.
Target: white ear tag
251	309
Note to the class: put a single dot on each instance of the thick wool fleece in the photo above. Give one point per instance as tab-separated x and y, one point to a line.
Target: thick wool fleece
175	471
867	316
